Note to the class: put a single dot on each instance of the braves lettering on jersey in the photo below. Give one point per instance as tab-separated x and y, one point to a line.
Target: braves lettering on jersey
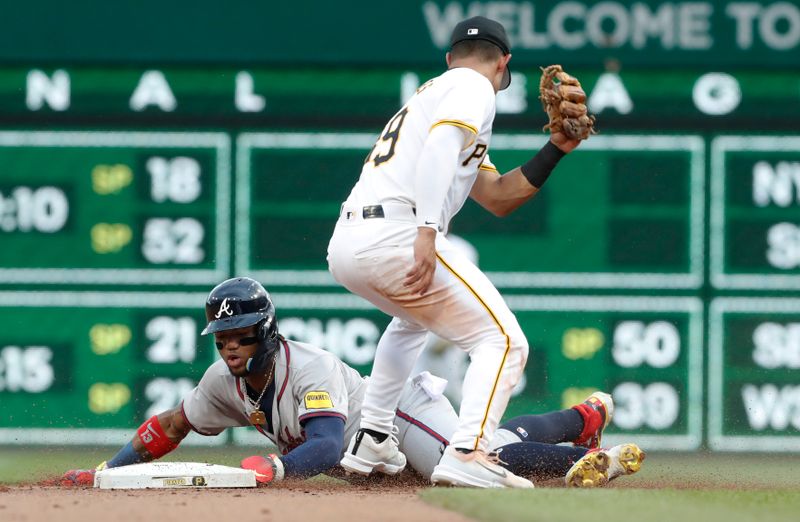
460	97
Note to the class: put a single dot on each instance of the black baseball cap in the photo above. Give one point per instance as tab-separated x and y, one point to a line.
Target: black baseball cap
482	28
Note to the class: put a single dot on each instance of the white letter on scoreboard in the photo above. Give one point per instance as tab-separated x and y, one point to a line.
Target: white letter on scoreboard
153	89
609	93
246	100
779	185
744	13
716	93
54	91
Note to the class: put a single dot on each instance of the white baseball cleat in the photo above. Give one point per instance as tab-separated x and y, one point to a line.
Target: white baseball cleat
365	454
599	466
475	469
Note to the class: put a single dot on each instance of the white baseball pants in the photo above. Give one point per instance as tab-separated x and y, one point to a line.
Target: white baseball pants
370	257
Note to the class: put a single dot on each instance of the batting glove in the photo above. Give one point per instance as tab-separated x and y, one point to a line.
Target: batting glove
81	477
268	469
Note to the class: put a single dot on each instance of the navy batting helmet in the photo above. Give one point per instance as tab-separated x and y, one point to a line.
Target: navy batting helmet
241	302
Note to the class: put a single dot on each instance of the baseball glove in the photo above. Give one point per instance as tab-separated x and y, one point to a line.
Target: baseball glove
564	102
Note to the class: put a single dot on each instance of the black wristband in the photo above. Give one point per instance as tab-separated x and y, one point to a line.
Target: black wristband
539	167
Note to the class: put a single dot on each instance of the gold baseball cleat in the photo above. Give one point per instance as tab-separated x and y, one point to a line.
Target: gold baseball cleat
626	459
590	471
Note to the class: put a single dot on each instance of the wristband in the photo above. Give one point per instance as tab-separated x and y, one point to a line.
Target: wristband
154	438
538	168
277	463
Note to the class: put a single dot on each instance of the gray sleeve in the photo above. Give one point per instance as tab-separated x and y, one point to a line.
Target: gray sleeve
320	390
213	404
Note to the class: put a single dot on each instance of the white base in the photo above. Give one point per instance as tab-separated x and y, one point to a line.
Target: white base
174	475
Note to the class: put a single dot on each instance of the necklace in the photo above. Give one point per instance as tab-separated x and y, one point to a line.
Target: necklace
257	417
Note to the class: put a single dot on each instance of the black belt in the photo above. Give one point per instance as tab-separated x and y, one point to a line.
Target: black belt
376	211
372	211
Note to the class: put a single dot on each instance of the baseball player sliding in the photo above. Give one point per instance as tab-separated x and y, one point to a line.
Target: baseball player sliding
389	246
308	403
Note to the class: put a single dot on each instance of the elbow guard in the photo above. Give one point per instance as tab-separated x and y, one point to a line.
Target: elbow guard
154	438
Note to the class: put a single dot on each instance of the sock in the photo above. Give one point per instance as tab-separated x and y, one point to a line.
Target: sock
593	419
377	435
550	428
538	460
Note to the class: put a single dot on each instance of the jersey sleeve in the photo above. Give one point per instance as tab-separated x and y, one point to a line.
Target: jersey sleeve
465	105
321	391
487	164
213	405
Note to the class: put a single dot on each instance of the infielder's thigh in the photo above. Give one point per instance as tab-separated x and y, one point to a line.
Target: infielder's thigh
469	311
371	259
426	425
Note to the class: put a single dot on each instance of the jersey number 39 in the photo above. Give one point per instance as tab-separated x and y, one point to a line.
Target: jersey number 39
390	135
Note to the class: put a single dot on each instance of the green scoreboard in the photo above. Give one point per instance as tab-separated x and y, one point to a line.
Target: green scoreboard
87	367
754	371
592	228
755	212
660	262
623	273
114	207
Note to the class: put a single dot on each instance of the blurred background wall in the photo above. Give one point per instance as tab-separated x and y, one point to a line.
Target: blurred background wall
149	150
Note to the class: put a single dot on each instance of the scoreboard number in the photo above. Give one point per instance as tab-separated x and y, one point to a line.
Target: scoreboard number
26	369
26	209
175	339
176	180
655	405
173	241
164	394
657	344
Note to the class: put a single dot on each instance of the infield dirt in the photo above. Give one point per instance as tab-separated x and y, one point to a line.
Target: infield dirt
299	501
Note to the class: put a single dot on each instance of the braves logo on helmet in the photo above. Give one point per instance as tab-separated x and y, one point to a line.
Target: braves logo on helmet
224	308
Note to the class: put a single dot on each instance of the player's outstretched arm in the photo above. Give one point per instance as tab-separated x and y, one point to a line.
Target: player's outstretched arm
501	195
155	438
320	452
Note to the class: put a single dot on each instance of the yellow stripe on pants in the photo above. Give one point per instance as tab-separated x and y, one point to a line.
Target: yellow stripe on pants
502	331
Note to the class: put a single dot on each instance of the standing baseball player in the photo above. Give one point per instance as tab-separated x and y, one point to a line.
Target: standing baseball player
307	402
389	246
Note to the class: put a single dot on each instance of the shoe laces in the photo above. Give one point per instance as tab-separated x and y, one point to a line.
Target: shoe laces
394	433
494	458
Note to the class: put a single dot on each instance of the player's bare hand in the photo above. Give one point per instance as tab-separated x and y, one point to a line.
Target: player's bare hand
561	141
420	277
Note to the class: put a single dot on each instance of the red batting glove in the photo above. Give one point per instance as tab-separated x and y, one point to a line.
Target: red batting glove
78	477
268	469
81	477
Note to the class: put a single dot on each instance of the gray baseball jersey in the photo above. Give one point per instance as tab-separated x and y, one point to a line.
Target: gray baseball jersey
311	382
